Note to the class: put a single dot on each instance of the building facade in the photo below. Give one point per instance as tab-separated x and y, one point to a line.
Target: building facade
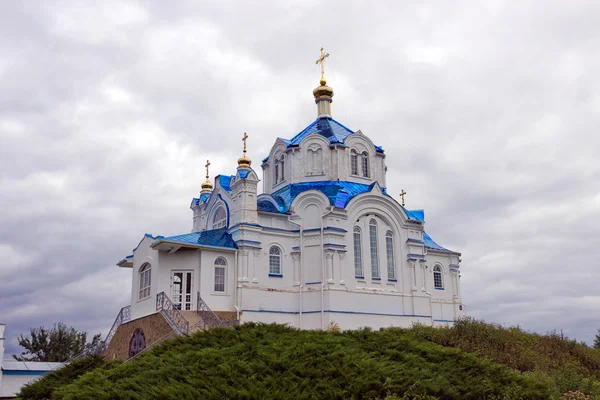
324	243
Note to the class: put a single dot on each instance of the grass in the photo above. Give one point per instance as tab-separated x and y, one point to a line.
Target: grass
472	360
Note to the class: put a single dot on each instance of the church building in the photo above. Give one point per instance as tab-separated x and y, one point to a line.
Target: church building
324	244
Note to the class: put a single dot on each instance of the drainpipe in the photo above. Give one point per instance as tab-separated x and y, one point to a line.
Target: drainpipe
323	270
236	302
301	272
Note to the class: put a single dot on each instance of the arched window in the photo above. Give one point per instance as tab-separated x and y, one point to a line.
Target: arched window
145	281
389	249
365	164
438	283
282	167
373	247
220	272
358	264
220	218
276	181
274	261
354	162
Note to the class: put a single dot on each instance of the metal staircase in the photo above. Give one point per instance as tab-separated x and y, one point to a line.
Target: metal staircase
208	319
173	315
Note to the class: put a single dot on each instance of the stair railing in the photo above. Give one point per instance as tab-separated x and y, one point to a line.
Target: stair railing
174	316
123	316
208	319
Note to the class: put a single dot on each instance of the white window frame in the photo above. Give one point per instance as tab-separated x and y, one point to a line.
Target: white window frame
375	272
145	281
364	164
358	262
389	251
275	253
221	222
439	273
221	265
354	162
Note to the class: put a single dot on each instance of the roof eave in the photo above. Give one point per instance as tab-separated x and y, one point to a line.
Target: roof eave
189	246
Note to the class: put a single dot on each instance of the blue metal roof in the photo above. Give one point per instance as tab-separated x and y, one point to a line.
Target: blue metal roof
327	127
216	237
430	244
244	173
267	206
225	182
418	215
338	192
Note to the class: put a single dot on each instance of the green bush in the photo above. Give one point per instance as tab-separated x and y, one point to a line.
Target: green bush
43	388
563	364
256	361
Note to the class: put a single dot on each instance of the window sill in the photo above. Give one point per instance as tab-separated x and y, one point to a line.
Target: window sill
392	280
360	176
375	279
359	277
439	288
145	298
276	275
219	294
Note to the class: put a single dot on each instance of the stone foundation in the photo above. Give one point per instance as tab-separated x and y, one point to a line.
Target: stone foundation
153	326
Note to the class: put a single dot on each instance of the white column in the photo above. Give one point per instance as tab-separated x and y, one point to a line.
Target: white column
255	253
413	275
424	276
296	268
341	255
244	266
329	266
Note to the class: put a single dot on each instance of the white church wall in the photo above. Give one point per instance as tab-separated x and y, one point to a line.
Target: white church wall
183	260
144	254
217	301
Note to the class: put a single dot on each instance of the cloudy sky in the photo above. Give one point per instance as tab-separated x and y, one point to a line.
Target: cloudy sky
488	113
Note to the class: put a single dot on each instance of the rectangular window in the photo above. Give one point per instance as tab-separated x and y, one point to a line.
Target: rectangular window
389	247
365	166
374	256
219	279
354	164
274	264
145	283
358	269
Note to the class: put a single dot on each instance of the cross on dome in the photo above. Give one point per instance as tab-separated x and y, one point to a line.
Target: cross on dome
244	161
207	185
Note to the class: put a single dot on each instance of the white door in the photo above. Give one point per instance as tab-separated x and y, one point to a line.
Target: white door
181	284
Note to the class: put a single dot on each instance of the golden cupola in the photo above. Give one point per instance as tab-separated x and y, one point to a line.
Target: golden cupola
323	93
244	160
207	186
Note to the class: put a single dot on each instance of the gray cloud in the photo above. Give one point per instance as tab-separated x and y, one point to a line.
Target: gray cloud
487	113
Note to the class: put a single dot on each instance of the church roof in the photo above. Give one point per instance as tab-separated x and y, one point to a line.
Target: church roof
225	181
339	192
430	244
215	238
329	128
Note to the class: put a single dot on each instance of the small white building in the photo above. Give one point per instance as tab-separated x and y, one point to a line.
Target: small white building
324	243
15	374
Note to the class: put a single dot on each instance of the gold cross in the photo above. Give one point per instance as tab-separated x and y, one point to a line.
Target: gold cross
244	140
207	165
402	195
321	60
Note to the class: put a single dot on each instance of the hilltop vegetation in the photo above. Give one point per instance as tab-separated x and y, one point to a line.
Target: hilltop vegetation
472	360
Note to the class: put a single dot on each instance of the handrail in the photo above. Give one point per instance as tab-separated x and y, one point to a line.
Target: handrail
164	304
123	316
208	319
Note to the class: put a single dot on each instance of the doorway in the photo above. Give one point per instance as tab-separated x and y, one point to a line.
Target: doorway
181	289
